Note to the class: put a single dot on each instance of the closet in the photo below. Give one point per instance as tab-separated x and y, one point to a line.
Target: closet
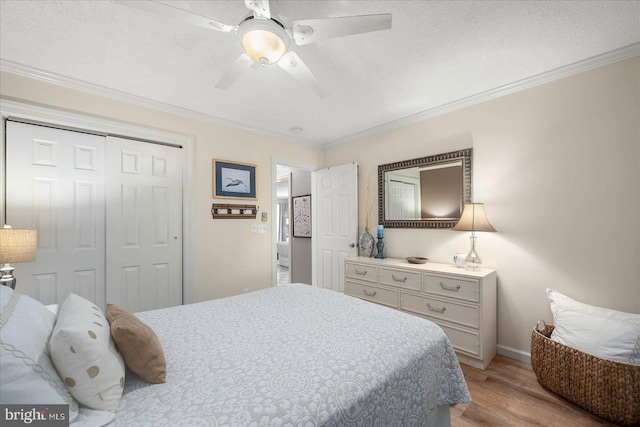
108	211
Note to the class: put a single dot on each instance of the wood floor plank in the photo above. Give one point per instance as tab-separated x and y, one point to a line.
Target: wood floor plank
507	393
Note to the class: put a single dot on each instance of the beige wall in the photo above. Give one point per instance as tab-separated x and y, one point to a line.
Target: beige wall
227	256
558	168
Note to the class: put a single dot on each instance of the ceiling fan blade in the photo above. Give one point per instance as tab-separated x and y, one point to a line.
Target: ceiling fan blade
307	31
261	7
242	64
178	14
292	64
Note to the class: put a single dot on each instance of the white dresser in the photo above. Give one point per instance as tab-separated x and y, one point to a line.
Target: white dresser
460	301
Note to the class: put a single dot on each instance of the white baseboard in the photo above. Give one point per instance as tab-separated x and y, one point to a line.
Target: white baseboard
514	353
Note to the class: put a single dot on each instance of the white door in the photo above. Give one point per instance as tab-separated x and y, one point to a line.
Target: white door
144	224
55	183
337	210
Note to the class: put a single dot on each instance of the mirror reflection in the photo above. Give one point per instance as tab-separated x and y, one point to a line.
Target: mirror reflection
429	192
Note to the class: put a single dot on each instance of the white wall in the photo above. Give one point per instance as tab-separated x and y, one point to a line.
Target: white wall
558	168
228	257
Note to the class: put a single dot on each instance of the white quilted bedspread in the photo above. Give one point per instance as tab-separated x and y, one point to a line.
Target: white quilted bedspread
293	356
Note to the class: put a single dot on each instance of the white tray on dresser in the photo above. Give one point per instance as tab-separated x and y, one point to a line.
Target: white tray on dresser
460	301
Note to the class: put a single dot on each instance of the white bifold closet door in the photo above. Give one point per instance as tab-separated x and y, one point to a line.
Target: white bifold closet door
56	184
85	205
144	224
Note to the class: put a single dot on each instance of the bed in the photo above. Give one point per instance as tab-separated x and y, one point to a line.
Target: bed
293	355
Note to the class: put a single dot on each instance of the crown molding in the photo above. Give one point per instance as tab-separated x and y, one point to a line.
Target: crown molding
529	82
558	73
94	89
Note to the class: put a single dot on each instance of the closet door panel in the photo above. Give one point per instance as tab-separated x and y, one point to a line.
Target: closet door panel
56	184
144	223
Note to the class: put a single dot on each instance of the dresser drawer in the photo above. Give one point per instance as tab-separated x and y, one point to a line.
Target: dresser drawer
401	278
467	315
372	293
463	340
362	272
452	287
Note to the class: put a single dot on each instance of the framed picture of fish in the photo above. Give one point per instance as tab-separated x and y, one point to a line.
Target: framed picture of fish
301	216
234	180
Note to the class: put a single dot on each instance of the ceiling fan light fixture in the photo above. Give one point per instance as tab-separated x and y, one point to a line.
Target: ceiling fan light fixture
263	40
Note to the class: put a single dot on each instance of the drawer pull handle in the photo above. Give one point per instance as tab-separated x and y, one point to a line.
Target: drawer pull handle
437	310
404	279
361	272
448	288
369	294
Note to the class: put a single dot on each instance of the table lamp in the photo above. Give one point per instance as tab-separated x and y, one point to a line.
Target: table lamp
16	245
473	219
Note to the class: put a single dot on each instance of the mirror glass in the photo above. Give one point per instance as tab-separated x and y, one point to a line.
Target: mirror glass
428	192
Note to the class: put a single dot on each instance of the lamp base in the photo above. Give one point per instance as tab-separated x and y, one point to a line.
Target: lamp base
473	261
7	278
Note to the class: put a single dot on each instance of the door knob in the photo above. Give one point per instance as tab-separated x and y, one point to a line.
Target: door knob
352	245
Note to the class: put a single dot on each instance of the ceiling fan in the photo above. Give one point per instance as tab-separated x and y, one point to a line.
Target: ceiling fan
266	40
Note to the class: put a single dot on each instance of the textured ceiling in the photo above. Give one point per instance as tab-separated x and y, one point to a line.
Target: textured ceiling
436	54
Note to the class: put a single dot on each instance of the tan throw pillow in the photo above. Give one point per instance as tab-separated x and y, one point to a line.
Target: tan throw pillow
138	344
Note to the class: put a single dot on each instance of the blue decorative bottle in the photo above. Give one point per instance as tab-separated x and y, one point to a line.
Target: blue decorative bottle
380	246
380	243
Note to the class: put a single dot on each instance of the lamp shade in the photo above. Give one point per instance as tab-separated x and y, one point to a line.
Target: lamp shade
17	245
473	218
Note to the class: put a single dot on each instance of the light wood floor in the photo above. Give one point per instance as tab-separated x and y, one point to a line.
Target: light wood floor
508	394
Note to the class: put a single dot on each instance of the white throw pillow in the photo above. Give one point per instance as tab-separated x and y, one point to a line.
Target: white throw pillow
27	375
605	333
85	356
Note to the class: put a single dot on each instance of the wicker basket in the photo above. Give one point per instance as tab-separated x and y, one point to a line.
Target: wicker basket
608	389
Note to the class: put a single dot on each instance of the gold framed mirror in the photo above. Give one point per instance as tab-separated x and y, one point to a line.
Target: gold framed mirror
428	192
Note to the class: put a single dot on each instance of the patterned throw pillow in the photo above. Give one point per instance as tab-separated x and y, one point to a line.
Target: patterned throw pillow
85	356
26	372
609	334
138	344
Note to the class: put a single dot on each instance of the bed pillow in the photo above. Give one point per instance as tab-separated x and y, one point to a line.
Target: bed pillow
27	373
85	356
138	344
605	333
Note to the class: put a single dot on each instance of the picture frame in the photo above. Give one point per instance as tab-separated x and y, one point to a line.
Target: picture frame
301	216
234	180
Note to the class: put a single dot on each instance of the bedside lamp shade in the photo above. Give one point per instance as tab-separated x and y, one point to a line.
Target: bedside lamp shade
473	219
16	245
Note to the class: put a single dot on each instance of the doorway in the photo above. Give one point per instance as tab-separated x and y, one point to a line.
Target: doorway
291	179
283	227
334	222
